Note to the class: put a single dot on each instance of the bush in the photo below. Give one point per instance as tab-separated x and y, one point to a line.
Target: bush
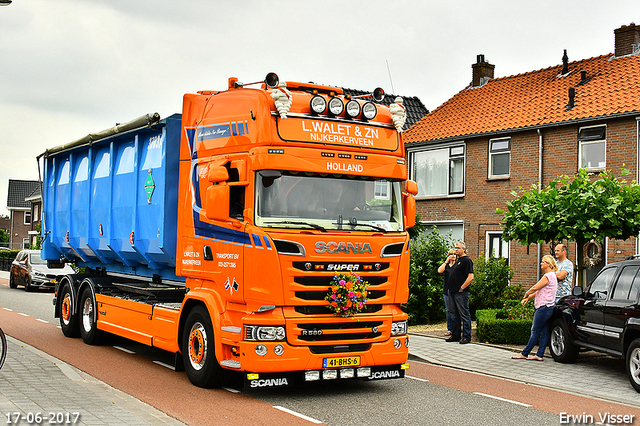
491	278
513	310
428	251
492	329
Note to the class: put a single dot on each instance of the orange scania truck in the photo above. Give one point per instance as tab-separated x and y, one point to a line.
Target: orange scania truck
220	234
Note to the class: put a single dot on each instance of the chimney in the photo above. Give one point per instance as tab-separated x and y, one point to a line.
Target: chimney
627	40
572	98
482	72
565	63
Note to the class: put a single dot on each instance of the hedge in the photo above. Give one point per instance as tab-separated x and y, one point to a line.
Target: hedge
496	330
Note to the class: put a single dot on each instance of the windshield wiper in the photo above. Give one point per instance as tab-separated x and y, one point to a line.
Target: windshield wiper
290	222
354	222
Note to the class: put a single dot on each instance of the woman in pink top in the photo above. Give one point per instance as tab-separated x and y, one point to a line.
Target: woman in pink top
545	300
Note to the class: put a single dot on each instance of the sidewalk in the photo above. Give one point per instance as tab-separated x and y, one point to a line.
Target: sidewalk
593	375
33	383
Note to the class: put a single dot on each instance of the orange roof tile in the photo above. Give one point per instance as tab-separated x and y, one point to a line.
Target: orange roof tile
536	99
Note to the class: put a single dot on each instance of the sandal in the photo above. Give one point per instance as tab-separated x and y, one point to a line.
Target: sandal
519	356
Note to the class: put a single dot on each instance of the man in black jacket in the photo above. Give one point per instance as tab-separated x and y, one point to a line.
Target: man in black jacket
460	278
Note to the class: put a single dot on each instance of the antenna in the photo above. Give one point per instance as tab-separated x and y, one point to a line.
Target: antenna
390	79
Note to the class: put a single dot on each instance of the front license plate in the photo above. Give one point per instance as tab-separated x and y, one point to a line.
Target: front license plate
346	361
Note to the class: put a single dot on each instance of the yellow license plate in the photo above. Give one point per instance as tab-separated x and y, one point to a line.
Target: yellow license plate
346	361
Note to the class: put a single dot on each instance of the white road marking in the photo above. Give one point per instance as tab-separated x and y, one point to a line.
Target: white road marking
164	364
302	416
232	390
416	378
124	350
502	399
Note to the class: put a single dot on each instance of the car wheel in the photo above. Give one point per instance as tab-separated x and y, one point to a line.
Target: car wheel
88	317
12	282
198	354
633	364
68	319
560	346
27	283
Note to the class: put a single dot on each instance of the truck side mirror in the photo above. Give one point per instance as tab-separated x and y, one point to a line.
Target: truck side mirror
216	200
412	187
409	207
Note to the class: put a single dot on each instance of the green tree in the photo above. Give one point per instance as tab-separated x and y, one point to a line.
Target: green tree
428	251
578	209
4	236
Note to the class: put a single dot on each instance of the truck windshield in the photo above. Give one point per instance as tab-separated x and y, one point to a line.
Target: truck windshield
288	200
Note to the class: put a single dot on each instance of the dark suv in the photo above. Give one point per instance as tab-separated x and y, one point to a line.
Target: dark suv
605	318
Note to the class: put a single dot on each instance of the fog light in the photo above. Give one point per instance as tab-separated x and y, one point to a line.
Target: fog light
318	104
278	350
261	350
336	106
347	373
353	108
397	343
369	111
311	376
363	372
406	342
330	374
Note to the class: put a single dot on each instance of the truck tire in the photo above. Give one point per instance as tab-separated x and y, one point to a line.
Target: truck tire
87	317
633	364
198	351
68	320
560	345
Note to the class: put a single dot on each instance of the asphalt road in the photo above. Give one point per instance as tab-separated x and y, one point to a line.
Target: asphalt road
430	395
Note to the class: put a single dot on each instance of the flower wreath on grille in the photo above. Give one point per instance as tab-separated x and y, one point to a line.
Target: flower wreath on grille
347	294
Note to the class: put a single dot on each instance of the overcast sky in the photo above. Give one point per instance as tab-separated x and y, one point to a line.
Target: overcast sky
69	68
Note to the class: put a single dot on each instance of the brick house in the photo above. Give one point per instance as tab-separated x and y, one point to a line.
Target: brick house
499	134
20	212
35	201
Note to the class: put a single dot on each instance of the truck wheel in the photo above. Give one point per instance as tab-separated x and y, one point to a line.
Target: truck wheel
68	320
12	282
88	317
633	364
561	348
198	345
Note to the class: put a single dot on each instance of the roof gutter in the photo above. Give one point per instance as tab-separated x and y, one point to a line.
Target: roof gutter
146	120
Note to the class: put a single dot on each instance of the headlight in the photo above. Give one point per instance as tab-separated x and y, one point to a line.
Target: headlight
398	328
318	104
336	106
264	333
369	111
353	109
39	274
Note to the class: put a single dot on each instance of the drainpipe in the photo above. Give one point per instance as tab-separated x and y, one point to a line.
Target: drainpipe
539	187
637	169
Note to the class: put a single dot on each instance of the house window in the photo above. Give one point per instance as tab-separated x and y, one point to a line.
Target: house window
27	218
25	243
381	189
36	212
592	147
496	246
499	157
453	229
439	172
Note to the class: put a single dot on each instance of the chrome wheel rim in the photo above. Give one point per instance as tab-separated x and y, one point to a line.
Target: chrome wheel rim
87	315
557	341
634	365
198	345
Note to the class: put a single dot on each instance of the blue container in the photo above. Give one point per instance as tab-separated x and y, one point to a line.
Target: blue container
112	203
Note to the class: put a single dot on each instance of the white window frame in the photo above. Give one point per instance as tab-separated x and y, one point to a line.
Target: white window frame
456	152
36	213
25	243
505	246
582	142
27	213
499	151
428	225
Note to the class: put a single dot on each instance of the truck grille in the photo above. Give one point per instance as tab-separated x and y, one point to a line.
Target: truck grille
340	332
